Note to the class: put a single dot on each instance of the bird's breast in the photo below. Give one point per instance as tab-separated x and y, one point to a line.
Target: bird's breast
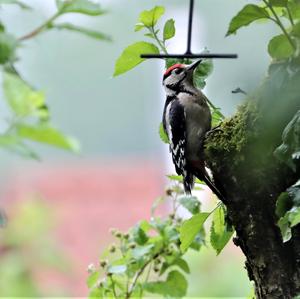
198	123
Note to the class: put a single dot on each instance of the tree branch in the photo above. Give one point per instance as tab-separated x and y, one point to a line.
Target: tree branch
40	29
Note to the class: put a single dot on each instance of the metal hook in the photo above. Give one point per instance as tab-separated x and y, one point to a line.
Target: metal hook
188	53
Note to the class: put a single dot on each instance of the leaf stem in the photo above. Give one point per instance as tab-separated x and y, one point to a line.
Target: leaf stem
279	23
40	28
290	15
139	273
113	287
161	45
215	108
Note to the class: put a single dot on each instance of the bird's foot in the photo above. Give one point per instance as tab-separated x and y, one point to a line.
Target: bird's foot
213	130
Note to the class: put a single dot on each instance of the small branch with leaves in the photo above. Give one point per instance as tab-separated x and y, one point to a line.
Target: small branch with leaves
30	116
149	258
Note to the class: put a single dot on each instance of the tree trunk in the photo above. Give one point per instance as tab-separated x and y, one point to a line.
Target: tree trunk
251	178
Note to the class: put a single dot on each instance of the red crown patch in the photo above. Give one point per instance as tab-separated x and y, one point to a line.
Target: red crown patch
171	68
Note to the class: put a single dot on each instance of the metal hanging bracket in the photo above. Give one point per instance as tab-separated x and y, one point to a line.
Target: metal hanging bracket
188	53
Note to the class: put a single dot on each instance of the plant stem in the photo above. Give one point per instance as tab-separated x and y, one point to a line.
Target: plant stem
279	23
39	29
161	45
113	287
215	108
138	274
290	15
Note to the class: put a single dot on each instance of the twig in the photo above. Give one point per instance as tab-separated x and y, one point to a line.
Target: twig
113	287
279	23
290	15
39	29
138	274
163	48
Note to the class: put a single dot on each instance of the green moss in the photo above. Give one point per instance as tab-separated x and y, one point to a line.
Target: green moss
234	134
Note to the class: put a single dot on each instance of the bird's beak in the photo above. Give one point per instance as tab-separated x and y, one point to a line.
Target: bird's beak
193	66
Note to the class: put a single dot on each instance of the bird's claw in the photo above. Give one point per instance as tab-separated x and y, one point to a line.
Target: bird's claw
213	130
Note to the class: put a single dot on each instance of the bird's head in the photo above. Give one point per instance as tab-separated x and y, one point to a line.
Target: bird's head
179	74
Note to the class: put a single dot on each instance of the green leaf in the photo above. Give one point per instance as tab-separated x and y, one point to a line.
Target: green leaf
14	143
139	235
8	45
141	251
145	225
175	177
199	240
19	3
92	279
169	29
294	216
131	56
190	228
22	99
117	269
285	228
283	204
138	27
150	17
88	32
95	293
86	7
288	209
294	8
175	286
280	48
278	3
45	134
191	203
183	265
179	262
220	233
246	16
204	69
217	117
162	134
296	30
287	151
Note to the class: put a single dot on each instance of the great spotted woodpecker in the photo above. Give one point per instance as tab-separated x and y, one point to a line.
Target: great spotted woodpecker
186	120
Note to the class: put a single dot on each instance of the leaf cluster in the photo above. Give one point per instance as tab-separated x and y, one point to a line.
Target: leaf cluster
149	258
288	210
288	203
148	22
284	13
29	118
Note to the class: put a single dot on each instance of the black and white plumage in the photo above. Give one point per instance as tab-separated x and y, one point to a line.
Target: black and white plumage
186	120
174	124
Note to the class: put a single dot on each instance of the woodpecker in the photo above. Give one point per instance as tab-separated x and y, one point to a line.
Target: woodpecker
186	121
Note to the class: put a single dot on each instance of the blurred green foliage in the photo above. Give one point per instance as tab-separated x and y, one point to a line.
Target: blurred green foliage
149	258
30	119
27	248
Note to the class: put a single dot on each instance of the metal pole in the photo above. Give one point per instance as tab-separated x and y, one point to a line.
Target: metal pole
190	25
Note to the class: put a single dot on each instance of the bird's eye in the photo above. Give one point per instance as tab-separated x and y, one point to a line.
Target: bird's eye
178	71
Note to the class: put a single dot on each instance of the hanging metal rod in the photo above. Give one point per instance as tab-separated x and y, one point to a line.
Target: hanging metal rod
188	53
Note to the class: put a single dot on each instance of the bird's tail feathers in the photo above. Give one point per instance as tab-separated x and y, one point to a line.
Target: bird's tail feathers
188	183
207	180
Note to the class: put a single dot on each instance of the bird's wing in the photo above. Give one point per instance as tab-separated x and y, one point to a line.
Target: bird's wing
176	130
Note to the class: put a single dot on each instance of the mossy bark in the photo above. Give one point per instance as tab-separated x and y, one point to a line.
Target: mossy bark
245	170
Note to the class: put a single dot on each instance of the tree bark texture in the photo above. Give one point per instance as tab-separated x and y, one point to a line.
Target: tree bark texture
241	158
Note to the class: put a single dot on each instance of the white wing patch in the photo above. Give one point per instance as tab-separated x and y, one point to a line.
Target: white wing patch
176	148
